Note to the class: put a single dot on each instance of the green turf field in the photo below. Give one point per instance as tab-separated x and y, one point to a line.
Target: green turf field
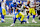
9	21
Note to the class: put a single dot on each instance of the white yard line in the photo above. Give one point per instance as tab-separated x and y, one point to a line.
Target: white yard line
28	24
8	15
14	15
7	18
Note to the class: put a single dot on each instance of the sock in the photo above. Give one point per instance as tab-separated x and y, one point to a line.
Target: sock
28	17
14	20
33	16
2	16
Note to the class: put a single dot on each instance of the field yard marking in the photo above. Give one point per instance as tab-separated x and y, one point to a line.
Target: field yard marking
20	26
28	24
7	18
12	19
14	15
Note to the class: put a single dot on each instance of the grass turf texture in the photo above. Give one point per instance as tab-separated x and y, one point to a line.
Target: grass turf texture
8	22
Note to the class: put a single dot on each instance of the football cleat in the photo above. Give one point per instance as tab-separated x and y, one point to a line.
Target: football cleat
27	21
2	20
12	25
33	21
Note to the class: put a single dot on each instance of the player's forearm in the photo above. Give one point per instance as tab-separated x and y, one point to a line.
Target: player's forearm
28	2
35	3
26	7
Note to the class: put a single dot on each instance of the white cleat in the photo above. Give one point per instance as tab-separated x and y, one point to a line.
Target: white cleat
12	25
33	21
2	20
27	21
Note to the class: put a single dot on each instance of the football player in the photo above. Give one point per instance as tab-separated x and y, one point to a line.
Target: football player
18	15
31	4
2	10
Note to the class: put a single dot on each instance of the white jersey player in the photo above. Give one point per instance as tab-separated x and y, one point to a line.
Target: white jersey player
31	4
3	4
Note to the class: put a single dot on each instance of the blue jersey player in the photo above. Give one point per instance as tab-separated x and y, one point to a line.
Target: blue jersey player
18	15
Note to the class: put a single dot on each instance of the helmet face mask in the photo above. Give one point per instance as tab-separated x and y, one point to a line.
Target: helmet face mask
14	3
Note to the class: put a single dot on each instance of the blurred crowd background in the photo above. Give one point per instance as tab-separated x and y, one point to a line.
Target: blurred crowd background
9	10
